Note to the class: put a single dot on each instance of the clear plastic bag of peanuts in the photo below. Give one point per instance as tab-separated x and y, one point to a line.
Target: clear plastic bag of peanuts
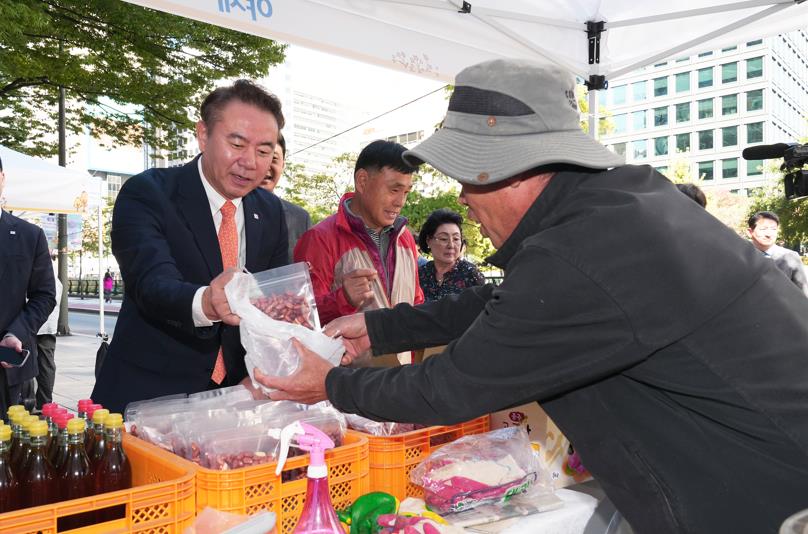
286	294
272	314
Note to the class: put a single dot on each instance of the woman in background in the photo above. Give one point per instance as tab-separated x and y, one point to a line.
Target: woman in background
447	273
109	284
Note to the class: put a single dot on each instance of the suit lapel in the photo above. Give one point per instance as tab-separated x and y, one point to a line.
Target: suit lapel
195	208
253	230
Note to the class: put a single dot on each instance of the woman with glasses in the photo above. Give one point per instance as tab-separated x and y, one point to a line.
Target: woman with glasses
447	273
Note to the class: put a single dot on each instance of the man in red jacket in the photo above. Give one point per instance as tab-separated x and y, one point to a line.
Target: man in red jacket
363	257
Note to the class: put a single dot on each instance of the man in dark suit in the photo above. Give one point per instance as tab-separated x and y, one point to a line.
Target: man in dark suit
298	220
176	233
27	296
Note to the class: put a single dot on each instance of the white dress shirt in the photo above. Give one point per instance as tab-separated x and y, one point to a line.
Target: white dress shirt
51	325
216	202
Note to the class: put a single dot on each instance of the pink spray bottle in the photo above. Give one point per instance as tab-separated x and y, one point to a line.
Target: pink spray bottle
318	516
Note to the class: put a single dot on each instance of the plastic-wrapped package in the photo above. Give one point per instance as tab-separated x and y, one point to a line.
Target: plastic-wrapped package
268	341
242	444
286	294
206	425
212	521
135	409
480	469
252	445
227	396
378	428
152	420
359	259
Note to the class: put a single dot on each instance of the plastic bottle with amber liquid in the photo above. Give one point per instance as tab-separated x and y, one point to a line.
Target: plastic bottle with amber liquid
113	471
16	420
56	414
74	478
9	484
18	461
58	451
37	479
89	435
96	448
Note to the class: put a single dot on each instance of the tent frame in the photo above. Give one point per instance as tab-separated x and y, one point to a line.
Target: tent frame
594	31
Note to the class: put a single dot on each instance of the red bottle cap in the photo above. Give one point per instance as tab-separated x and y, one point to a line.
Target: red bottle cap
47	409
84	403
61	419
91	409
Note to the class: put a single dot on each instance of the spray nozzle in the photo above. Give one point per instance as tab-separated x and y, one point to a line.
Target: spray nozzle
308	438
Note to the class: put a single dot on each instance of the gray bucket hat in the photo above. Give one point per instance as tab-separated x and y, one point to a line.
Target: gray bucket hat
506	117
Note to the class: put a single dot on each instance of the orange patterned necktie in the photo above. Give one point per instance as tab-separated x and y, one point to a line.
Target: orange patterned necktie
228	244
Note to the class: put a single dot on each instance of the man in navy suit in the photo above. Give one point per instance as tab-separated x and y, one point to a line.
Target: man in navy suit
27	296
175	232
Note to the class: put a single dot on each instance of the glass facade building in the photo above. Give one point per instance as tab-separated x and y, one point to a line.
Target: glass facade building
707	107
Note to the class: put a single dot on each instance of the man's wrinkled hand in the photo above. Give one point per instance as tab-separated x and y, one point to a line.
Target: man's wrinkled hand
214	300
306	385
354	334
356	286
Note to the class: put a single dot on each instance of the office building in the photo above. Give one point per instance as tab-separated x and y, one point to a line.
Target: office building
706	108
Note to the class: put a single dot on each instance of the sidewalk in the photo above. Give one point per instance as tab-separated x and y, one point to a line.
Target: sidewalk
91	304
75	369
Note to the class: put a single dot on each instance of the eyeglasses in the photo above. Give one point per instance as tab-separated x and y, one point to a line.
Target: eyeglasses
444	241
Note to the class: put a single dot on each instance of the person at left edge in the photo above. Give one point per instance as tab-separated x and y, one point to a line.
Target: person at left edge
27	296
177	233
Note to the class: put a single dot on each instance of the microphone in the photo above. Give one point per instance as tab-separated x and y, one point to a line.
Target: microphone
777	150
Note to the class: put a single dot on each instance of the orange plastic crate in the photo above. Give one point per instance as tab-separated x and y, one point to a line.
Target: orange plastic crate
161	500
251	489
393	457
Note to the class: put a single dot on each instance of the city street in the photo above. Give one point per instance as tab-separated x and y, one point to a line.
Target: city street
75	358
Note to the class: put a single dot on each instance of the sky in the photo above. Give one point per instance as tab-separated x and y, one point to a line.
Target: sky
359	85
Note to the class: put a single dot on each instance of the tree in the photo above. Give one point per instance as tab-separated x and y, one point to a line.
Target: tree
319	193
89	232
678	170
729	208
443	194
131	74
793	213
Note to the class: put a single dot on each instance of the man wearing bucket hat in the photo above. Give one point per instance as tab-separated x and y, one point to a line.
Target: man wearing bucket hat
627	311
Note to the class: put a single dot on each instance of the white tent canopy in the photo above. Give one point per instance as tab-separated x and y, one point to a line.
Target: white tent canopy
438	38
33	184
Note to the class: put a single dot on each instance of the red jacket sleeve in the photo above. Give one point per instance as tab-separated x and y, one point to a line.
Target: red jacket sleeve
321	257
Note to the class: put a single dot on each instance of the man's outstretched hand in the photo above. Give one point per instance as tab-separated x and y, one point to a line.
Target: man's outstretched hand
214	300
354	334
306	385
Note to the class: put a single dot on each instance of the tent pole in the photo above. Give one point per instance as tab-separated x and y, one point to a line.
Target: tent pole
593	113
100	223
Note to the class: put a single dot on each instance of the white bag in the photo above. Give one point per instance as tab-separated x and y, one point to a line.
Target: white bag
268	342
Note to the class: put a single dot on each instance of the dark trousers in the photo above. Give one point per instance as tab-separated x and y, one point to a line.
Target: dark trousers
10	396
46	346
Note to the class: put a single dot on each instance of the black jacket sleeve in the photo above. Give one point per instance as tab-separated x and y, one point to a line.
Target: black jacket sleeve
148	267
546	330
430	324
41	294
